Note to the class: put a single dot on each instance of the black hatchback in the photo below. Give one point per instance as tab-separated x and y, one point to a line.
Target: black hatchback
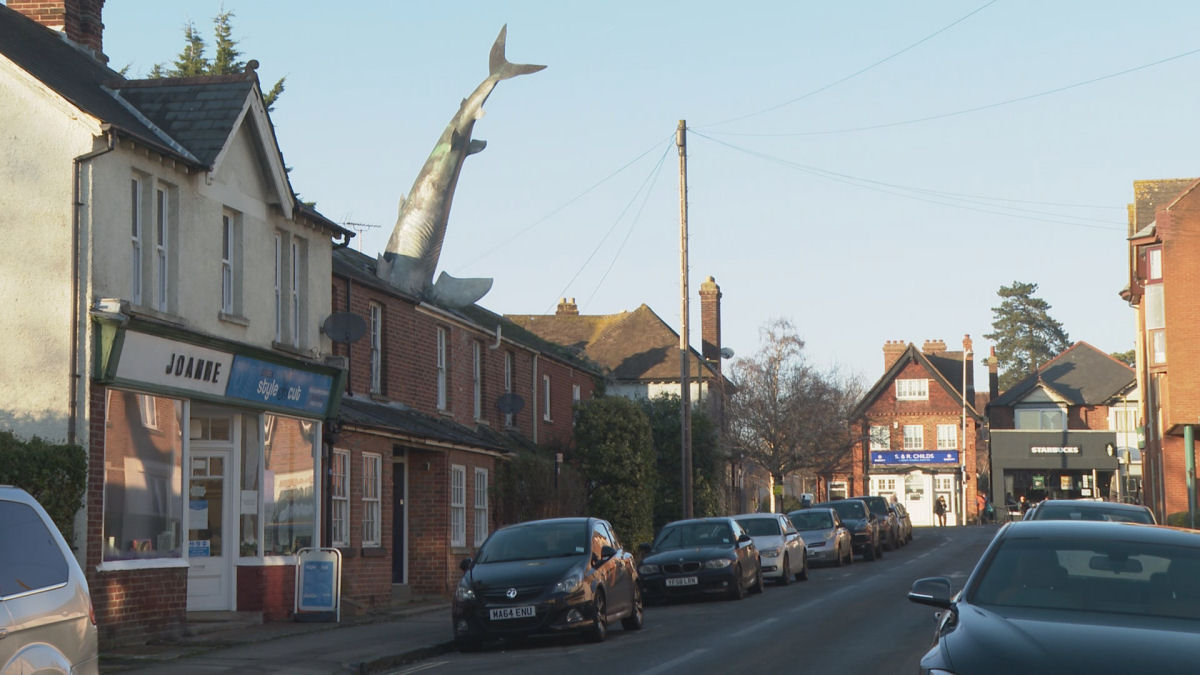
545	577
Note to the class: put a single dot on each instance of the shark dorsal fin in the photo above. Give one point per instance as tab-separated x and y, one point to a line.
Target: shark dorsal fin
475	146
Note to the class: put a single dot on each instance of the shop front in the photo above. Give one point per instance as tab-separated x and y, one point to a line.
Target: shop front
917	478
204	477
1041	465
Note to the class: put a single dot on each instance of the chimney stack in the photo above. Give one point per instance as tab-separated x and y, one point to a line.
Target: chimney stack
934	347
969	359
566	307
79	20
993	375
710	322
892	351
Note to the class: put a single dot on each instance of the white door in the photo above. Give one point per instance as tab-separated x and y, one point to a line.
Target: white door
918	485
211	529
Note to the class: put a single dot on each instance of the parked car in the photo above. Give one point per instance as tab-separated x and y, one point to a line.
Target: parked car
547	576
1058	596
905	521
781	549
825	534
863	525
1087	509
889	525
47	623
700	556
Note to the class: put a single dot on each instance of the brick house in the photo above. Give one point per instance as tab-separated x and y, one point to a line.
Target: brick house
910	425
436	399
1053	433
146	217
1163	287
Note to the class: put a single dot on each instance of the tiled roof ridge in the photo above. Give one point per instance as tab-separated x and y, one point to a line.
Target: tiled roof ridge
189	81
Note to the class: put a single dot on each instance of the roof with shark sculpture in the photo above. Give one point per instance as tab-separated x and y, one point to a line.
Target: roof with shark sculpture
190	120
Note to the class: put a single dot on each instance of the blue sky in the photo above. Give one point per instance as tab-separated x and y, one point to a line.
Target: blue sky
824	205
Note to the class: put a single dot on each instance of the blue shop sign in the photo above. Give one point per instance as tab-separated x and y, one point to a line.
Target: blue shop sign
273	384
914	457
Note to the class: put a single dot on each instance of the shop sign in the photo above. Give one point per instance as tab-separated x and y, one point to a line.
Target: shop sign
1054	449
273	384
886	457
168	363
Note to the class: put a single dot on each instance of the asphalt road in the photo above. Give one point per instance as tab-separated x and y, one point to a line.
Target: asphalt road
853	619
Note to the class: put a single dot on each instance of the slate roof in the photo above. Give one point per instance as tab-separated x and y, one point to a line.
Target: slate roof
397	417
631	346
1082	375
945	367
199	113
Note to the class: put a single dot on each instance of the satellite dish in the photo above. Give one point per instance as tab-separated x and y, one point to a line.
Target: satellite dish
344	327
510	404
726	353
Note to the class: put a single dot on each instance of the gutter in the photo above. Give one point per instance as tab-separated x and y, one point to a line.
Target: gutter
76	283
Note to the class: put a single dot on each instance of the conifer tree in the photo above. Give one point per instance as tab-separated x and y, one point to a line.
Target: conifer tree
1025	334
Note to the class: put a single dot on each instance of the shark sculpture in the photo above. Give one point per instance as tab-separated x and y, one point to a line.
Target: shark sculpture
413	250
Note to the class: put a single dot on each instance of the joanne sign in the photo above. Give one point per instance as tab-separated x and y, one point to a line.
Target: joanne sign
1054	449
168	363
914	457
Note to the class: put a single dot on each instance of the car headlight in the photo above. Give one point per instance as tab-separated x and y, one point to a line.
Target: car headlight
718	563
464	593
829	536
569	584
649	569
770	552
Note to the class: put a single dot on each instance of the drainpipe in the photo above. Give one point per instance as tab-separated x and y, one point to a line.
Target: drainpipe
1189	457
76	282
533	407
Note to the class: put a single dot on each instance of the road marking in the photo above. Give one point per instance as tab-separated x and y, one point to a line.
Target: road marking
664	667
753	627
423	666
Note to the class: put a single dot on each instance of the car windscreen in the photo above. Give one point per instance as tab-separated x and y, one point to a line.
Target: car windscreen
686	535
1093	576
850	510
761	527
812	520
534	541
1070	512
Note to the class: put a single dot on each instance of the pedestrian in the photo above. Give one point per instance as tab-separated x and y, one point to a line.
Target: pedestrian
980	503
939	508
1023	505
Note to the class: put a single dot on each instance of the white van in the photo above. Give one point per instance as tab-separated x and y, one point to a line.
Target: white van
47	624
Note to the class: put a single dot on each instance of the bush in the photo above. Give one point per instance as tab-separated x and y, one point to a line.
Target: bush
55	474
526	489
615	456
1180	519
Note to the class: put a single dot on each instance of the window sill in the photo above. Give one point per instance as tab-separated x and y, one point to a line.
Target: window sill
347	552
482	422
446	413
290	349
375	552
233	318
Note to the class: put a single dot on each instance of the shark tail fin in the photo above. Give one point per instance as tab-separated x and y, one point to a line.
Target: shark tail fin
499	67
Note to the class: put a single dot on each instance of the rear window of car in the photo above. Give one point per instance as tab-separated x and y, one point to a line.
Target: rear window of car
812	520
761	527
30	558
1055	512
854	510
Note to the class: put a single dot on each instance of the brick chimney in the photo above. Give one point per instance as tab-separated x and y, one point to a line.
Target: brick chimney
892	350
993	375
710	322
78	19
934	346
566	307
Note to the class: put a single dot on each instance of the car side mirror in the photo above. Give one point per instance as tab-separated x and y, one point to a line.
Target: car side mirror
464	564
743	538
643	548
932	591
606	554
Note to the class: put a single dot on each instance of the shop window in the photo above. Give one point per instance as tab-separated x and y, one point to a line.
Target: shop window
289	504
143	477
251	480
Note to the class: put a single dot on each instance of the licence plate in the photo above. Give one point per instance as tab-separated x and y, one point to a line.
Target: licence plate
512	613
682	581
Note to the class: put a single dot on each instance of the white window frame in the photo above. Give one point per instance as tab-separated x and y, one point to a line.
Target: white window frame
339	517
943	484
228	230
294	297
135	236
546	397
149	410
481	505
947	436
838	489
477	379
880	437
162	247
458	506
508	384
442	402
576	393
278	286
376	311
914	437
912	390
372	491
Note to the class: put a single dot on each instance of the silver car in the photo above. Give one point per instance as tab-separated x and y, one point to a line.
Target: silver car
46	620
827	537
780	547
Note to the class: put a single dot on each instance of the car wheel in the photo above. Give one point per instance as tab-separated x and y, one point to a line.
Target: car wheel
757	587
599	628
879	549
802	575
871	552
849	555
737	591
842	559
785	577
636	617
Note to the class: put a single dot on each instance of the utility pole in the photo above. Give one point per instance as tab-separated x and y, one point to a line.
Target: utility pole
685	392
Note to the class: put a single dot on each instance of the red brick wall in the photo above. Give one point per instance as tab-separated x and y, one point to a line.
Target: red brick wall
267	589
367	572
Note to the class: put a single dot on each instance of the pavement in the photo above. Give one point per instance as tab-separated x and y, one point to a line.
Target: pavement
367	643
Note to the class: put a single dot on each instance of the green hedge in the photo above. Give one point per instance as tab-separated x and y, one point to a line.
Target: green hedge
56	475
1180	519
